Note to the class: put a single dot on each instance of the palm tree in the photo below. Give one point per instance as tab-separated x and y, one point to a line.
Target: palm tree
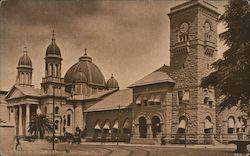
39	125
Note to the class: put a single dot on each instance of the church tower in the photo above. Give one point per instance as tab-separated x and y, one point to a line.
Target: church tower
24	70
53	63
193	44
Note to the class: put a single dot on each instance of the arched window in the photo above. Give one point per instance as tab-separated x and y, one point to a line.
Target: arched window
208	128
22	78
56	70
231	125
45	110
27	78
51	70
57	110
56	124
68	120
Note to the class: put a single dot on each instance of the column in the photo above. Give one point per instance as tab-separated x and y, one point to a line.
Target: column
27	118
149	132
20	130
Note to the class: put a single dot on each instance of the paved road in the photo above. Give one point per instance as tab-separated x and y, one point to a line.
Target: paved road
120	150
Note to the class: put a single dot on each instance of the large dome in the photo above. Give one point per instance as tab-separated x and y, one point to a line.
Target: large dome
53	50
25	60
85	70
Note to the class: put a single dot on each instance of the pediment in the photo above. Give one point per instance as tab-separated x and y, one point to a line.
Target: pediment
14	93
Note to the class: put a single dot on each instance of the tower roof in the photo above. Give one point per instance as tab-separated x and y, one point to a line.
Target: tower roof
53	50
25	60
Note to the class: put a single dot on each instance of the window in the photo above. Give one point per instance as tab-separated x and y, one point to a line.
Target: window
56	124
45	110
180	96
57	110
68	120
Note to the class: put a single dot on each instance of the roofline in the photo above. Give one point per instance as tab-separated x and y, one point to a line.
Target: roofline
150	83
193	3
108	109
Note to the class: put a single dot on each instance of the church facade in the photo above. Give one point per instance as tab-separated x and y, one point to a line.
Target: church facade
168	102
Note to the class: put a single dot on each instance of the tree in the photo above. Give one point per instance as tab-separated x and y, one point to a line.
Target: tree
231	74
40	124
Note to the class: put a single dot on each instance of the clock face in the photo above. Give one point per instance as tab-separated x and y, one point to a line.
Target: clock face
207	26
184	27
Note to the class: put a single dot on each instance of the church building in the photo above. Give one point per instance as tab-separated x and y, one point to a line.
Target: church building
168	102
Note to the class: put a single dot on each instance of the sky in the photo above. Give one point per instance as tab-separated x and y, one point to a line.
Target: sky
127	38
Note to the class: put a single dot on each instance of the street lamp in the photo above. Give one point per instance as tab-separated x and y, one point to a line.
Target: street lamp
53	120
117	138
186	122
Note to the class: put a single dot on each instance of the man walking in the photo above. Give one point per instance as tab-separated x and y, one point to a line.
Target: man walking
18	142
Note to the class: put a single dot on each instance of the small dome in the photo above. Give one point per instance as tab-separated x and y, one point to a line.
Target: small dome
85	67
112	82
53	50
25	60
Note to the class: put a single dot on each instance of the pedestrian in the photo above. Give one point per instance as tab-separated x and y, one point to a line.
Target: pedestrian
18	142
163	141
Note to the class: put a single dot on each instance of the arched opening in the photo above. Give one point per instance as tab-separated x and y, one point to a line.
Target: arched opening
56	70
231	125
115	127
208	125
143	127
97	130
106	135
156	125
208	130
51	70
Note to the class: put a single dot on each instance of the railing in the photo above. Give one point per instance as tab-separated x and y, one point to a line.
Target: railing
53	79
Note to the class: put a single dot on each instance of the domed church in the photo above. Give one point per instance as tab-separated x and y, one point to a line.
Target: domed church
82	86
168	102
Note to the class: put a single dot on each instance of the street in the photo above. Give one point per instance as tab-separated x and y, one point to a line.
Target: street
111	149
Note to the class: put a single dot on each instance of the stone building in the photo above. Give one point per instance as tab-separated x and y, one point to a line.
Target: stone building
167	102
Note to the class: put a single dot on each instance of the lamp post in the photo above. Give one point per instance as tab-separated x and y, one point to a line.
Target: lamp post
186	122
53	119
117	138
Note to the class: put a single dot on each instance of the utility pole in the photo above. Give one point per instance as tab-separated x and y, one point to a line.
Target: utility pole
53	120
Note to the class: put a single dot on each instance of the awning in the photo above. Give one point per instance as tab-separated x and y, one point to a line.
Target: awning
106	125
127	125
208	124
230	123
151	99
182	124
157	98
138	100
97	126
185	96
116	125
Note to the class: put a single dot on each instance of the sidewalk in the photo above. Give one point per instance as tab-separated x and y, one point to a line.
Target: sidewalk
222	146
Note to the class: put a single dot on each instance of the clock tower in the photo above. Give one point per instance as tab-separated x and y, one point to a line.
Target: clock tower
193	44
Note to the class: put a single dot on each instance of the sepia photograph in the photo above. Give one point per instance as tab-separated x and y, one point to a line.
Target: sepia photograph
125	77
